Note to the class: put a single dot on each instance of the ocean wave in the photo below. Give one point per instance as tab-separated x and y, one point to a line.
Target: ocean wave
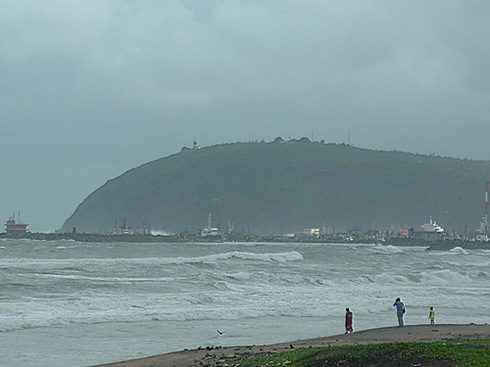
229	282
390	249
431	277
202	307
390	278
106	279
459	250
446	276
281	257
197	307
242	275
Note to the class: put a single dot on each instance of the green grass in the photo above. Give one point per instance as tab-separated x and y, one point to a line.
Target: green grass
468	353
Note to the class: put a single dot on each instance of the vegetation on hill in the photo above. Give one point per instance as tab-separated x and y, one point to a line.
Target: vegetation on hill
288	186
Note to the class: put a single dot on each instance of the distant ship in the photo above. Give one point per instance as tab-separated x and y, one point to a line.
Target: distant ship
431	227
210	232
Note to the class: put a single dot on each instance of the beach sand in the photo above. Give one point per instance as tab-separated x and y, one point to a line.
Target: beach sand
226	355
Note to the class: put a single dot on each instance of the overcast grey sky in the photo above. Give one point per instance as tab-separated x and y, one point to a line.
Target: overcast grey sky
92	88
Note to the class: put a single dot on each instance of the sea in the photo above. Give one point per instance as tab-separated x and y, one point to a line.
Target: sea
73	304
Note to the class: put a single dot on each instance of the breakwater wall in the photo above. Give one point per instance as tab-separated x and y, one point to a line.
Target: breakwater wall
431	244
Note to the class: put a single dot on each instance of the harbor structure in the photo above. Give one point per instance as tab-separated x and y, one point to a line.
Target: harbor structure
15	227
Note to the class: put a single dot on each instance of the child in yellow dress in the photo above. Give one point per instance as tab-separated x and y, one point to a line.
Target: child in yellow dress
432	315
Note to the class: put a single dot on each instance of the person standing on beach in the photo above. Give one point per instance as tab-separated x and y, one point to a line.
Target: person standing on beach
432	315
348	321
400	311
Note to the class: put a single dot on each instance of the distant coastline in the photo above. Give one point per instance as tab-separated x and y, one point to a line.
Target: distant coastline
103	238
431	244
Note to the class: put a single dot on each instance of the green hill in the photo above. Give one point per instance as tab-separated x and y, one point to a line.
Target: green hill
288	186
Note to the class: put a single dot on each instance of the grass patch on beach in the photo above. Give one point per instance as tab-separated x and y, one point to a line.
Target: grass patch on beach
450	353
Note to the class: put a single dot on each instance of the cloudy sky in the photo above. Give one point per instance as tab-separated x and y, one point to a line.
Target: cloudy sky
92	88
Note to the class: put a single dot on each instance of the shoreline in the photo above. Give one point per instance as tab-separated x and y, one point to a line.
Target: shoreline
222	356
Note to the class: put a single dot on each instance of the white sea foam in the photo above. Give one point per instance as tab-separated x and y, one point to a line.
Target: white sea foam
165	293
390	278
269	257
459	250
387	249
446	275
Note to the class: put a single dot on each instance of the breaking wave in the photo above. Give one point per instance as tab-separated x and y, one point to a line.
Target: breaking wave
281	257
386	249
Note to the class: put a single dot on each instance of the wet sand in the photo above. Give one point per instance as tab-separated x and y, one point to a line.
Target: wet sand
226	355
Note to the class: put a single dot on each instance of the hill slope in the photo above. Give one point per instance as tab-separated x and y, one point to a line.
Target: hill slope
285	186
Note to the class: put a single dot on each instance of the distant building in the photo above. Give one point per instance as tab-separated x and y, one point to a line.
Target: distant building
12	227
312	232
404	233
482	238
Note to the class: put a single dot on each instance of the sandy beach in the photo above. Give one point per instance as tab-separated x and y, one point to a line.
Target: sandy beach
221	356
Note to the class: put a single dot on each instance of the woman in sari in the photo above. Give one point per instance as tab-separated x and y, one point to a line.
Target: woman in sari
348	321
